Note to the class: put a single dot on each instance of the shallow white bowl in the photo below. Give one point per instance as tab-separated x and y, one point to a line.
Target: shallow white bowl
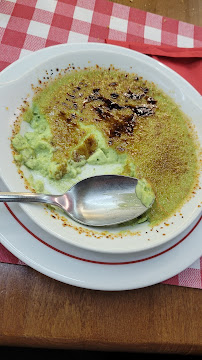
26	71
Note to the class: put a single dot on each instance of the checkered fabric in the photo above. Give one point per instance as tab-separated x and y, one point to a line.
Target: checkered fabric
27	26
30	25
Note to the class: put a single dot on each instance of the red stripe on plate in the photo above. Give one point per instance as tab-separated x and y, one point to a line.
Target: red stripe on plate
99	262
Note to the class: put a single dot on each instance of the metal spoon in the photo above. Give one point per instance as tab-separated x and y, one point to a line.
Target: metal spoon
97	201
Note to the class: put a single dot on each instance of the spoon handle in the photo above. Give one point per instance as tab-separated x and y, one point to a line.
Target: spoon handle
25	197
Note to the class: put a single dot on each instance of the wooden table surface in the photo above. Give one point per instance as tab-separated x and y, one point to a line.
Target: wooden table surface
41	312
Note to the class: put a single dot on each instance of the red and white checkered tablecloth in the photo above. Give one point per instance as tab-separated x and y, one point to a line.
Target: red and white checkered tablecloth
27	26
30	25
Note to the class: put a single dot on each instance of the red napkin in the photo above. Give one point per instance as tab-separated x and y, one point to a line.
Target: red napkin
185	61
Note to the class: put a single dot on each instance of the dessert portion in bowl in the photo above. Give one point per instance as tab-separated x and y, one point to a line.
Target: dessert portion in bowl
106	121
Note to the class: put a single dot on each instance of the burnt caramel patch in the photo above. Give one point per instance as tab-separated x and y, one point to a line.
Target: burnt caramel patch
144	110
86	149
134	96
125	126
151	100
102	112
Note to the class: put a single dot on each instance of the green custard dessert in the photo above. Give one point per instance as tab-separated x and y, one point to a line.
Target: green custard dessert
106	121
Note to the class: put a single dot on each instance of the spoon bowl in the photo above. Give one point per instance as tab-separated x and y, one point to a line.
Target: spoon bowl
101	200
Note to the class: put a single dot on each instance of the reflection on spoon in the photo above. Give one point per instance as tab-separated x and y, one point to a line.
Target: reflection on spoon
96	201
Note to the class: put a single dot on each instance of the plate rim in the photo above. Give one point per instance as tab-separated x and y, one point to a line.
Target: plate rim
88	284
94	44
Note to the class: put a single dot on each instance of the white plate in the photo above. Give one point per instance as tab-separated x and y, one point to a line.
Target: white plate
104	55
92	270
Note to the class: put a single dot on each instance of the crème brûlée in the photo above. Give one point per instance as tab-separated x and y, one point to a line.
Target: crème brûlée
107	119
